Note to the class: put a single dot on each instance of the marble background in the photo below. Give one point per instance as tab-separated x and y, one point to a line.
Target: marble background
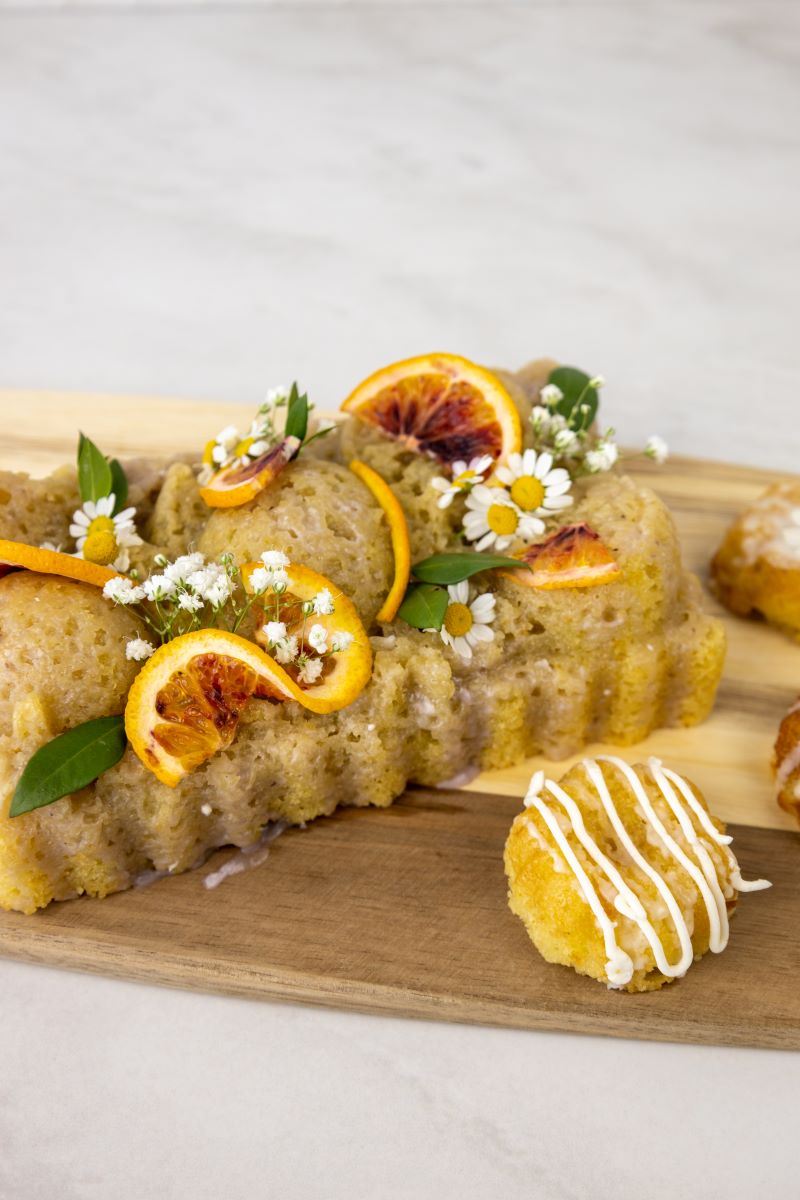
205	201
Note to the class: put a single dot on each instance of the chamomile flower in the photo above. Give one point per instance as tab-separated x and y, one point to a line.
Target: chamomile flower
464	477
534	484
310	669
218	453
102	537
317	638
467	624
139	649
256	441
493	519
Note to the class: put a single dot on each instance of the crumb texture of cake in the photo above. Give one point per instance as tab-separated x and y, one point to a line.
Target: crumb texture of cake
756	570
561	668
786	762
622	873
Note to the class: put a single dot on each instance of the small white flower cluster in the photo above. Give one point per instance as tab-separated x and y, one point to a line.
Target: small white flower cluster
567	438
305	650
231	448
186	594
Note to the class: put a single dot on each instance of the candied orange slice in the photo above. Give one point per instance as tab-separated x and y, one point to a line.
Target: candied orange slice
235	485
572	557
346	673
16	556
441	405
398	532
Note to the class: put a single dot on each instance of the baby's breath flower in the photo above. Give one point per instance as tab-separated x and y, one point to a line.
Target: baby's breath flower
323	603
287	649
310	669
183	566
551	394
158	587
275	397
273	559
123	591
657	449
260	580
341	641
219	592
274	631
138	649
190	602
566	442
318	638
602	458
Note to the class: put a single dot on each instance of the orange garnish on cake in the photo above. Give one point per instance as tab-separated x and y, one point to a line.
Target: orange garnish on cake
236	484
186	701
16	556
440	405
320	624
398	531
572	557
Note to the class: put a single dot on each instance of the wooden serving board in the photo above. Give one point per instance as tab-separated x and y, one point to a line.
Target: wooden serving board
403	910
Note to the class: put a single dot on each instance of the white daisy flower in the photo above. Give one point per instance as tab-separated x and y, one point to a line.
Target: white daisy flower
138	649
467	625
123	591
464	477
341	641
657	449
310	669
102	537
317	638
534	485
323	604
493	519
274	631
286	650
602	458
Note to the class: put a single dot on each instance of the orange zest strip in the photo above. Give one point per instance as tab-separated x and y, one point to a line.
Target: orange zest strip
398	531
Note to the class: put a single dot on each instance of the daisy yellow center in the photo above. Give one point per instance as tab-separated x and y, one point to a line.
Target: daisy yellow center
501	519
243	447
101	542
464	479
458	619
527	492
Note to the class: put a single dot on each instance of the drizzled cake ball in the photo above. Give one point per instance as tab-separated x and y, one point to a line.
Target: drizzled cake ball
622	873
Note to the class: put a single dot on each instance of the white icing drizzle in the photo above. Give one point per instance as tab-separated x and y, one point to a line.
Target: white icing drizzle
703	872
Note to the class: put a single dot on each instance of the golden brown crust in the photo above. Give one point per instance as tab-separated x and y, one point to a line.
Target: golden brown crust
786	762
756	570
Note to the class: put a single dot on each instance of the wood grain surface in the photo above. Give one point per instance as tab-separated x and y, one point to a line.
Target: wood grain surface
403	911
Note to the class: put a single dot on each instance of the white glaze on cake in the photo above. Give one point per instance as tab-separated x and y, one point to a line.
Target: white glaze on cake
695	826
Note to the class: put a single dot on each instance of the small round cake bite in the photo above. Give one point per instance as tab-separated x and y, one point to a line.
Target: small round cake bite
756	570
622	873
786	762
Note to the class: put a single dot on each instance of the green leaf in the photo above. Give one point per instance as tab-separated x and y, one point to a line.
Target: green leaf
94	474
297	414
119	485
452	568
69	763
580	401
424	606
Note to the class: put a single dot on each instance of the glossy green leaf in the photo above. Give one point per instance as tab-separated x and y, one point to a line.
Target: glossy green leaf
452	568
68	763
424	606
119	485
297	414
580	401
95	478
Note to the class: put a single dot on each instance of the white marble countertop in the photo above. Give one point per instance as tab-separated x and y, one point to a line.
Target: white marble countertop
208	201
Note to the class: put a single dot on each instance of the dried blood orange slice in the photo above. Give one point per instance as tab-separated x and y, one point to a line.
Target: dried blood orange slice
346	673
235	485
15	556
185	703
398	532
441	405
572	557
